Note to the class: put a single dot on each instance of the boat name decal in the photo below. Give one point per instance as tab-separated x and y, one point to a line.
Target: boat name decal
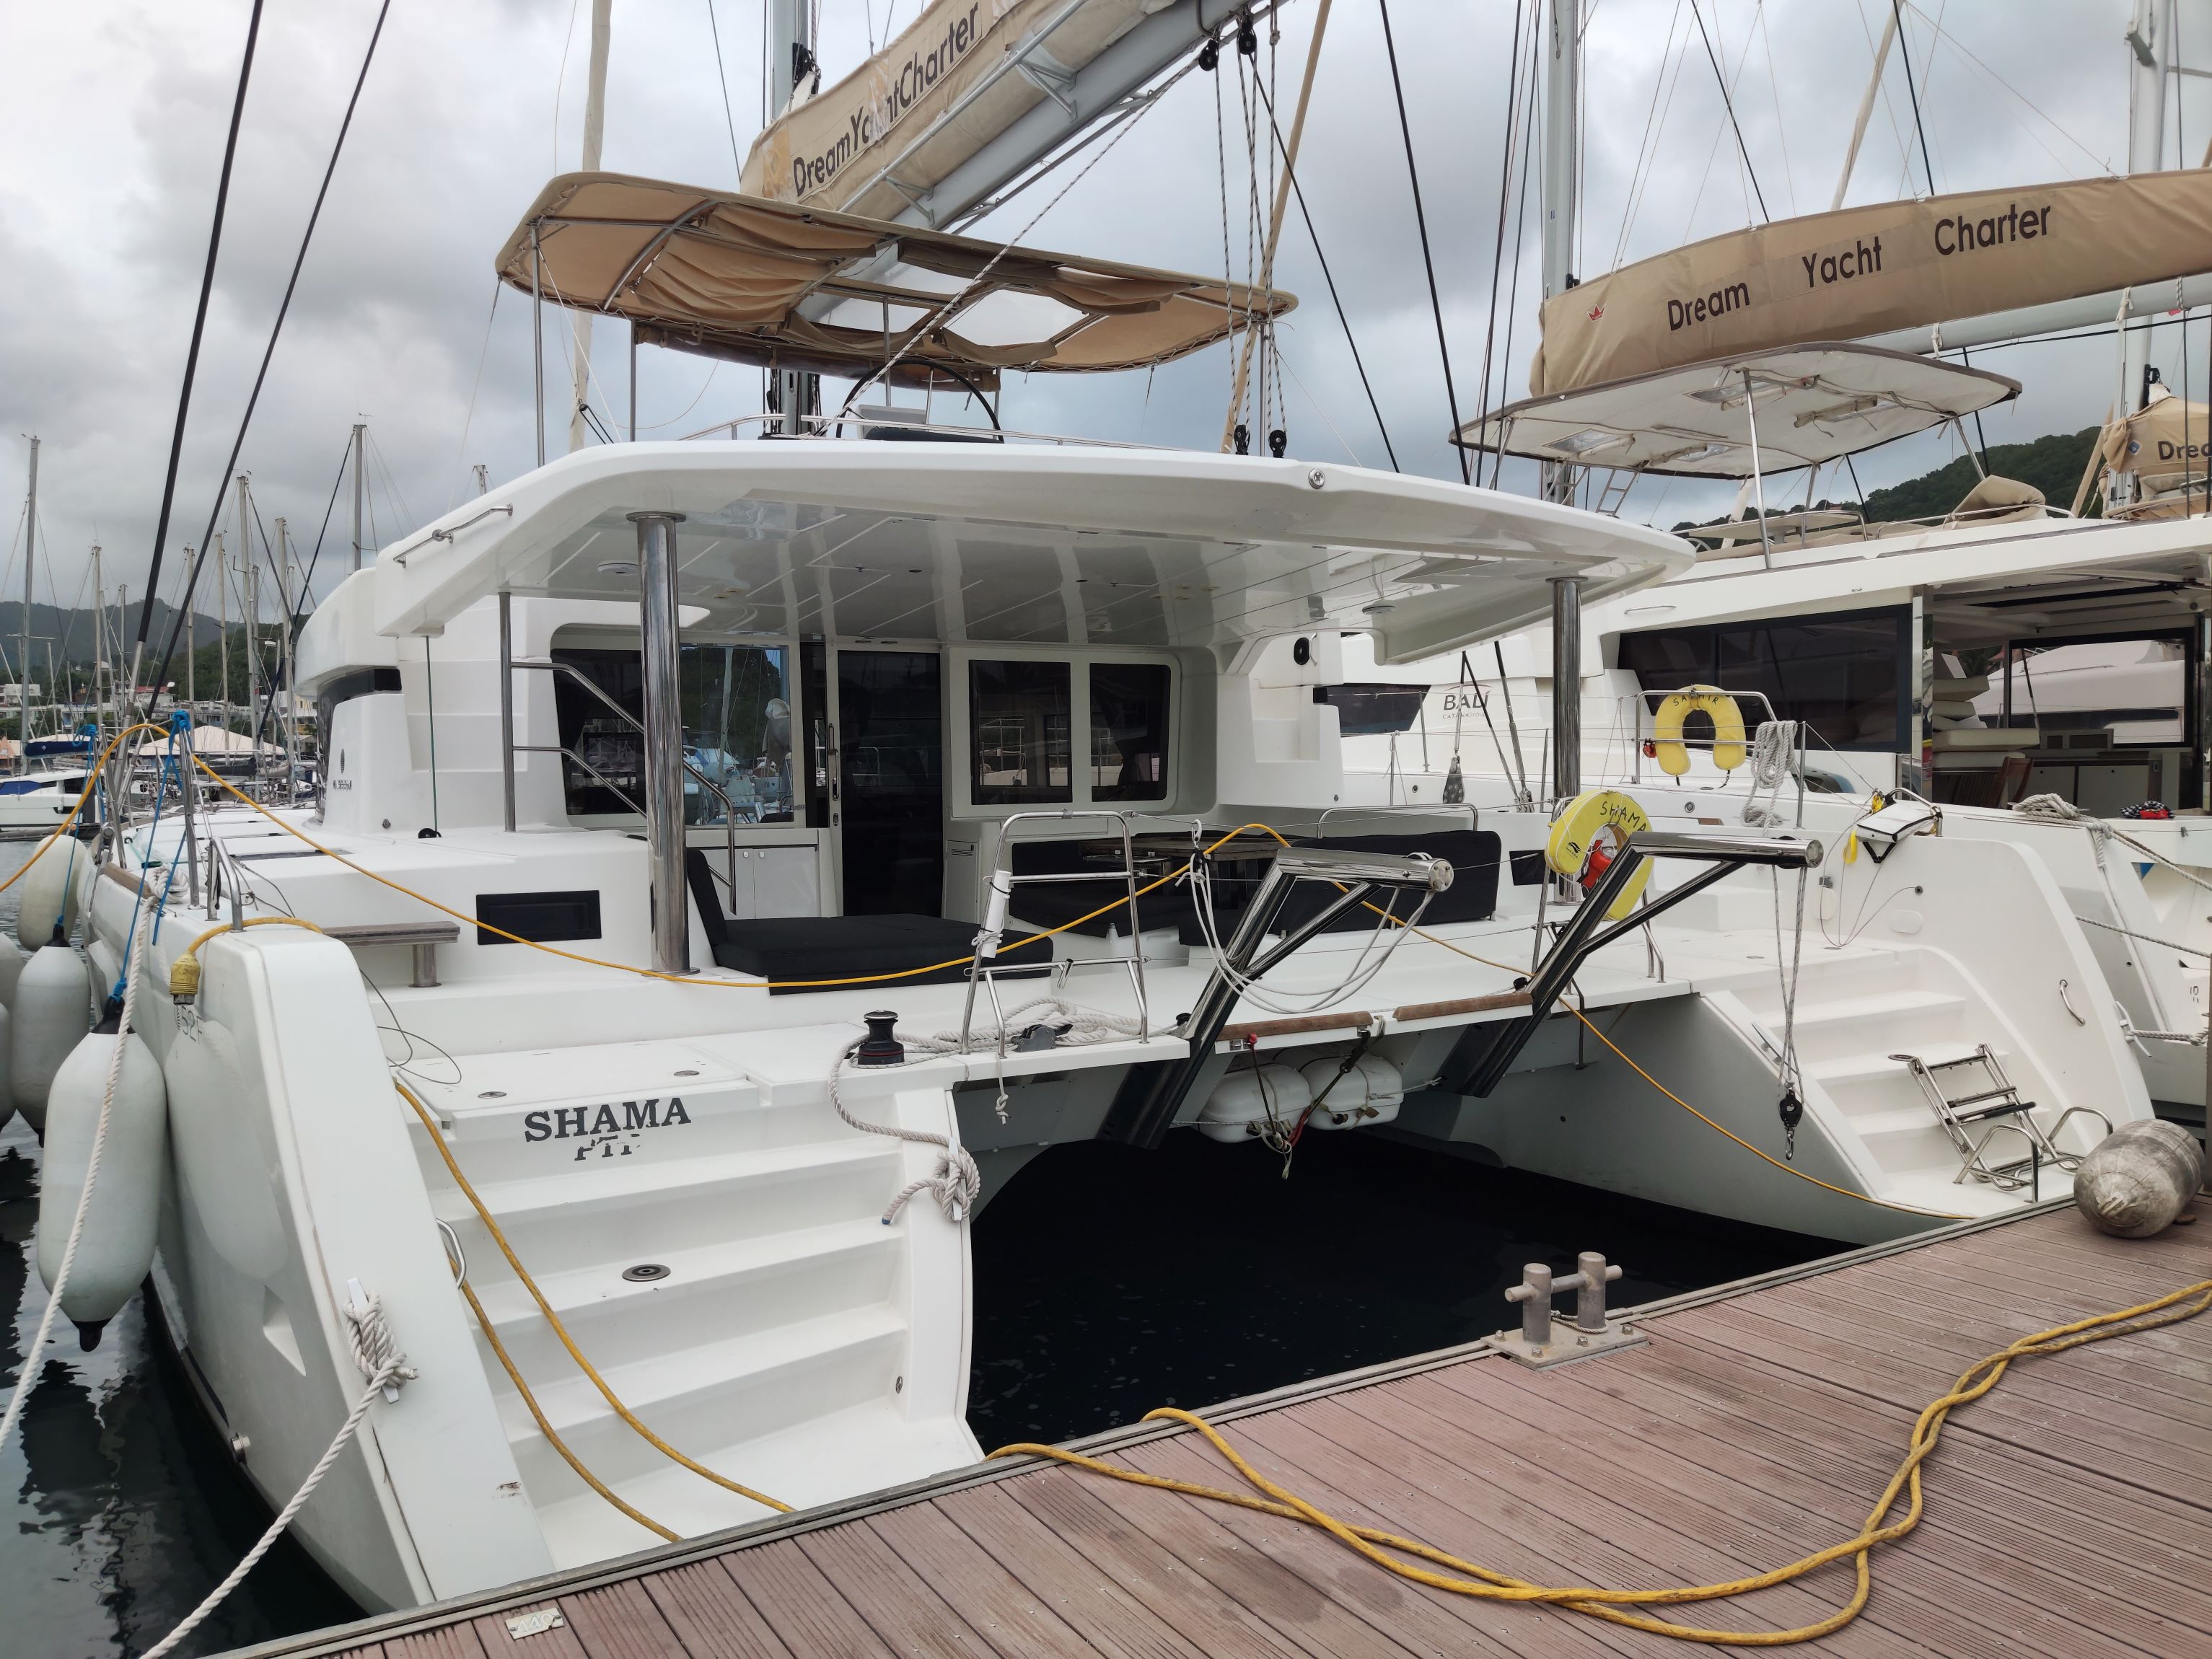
604	1129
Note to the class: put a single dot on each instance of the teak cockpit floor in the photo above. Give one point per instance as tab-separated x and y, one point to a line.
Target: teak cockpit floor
2068	1514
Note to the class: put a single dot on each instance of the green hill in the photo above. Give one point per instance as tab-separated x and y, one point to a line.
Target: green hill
2053	465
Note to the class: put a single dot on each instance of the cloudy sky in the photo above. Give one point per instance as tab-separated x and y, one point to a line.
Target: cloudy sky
113	114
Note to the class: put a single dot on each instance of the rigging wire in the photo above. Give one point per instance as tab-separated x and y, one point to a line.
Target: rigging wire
1505	196
1728	103
1421	220
1919	127
261	374
1297	193
722	80
199	317
1639	175
1520	233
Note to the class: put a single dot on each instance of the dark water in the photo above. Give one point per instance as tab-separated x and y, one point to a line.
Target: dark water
1110	1281
1107	1282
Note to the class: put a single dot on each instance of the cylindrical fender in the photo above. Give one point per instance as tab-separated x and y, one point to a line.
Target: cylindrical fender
1595	816
53	890
1666	745
52	1011
11	969
115	1251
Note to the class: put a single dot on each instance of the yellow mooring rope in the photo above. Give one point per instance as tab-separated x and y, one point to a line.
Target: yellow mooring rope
1470	1578
498	1237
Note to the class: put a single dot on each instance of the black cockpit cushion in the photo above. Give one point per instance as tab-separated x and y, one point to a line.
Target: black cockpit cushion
787	950
1474	855
1057	903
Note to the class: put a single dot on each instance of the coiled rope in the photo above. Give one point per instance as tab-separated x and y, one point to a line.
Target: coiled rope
560	1330
1470	1578
955	1184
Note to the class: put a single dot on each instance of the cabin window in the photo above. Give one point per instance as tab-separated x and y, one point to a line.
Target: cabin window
1020	718
1370	710
2123	692
1846	675
1128	731
736	731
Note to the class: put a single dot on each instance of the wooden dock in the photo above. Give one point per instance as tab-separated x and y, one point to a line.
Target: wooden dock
2069	1513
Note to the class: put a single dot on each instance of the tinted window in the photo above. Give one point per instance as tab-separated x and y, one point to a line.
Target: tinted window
1364	710
1846	676
1128	731
1019	716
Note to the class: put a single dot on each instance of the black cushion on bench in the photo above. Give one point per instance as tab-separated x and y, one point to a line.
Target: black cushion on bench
798	948
788	948
1056	904
1474	855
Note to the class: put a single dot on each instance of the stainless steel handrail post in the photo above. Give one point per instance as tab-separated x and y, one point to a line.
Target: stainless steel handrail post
664	738
507	707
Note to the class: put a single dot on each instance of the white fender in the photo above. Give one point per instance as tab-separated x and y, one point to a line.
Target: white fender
53	888
11	969
1370	1092
1243	1101
52	1011
116	1250
7	1099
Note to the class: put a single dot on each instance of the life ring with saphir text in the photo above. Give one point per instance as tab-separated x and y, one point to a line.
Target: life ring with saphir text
1589	835
1667	747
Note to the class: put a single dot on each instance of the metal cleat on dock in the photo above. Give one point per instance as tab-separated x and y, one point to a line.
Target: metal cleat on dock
1538	1343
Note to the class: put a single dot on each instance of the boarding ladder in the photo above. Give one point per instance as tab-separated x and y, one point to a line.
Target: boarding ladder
1974	1119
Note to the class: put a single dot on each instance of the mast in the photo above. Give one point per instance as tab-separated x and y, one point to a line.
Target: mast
595	122
2148	46
360	432
1562	44
99	641
192	642
23	662
287	732
222	622
790	54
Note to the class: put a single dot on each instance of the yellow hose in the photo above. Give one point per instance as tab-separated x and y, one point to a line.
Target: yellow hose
687	979
1471	1579
438	1140
545	1428
184	971
91	782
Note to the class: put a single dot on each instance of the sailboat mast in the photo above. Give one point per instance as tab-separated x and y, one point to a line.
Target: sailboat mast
2149	43
1563	48
595	123
23	669
788	60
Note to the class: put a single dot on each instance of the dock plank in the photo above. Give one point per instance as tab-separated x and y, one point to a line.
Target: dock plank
2068	1513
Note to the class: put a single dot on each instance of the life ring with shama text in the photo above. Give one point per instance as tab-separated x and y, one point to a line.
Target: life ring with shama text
1666	745
1590	834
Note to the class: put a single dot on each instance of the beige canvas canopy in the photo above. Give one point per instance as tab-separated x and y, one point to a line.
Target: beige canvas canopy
726	275
1809	403
2168	439
1859	270
959	74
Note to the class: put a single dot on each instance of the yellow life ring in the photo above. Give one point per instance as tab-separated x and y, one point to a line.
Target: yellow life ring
1667	747
1594	817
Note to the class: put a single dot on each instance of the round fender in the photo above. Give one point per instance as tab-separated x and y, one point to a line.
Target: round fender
1593	818
1666	745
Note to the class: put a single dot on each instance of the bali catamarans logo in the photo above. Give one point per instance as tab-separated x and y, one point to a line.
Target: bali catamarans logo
610	1129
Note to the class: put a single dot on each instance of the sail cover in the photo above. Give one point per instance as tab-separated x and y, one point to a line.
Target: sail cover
723	275
955	78
2167	439
1859	270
